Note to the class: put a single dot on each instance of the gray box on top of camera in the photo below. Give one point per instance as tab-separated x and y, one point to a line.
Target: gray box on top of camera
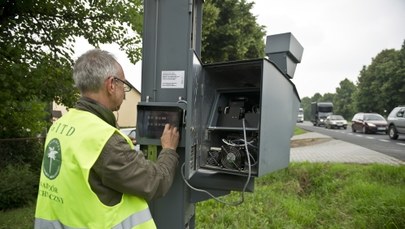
285	51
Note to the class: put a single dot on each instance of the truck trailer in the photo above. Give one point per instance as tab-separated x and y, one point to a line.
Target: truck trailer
319	112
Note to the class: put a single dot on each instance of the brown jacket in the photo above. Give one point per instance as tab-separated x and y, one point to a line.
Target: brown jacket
120	169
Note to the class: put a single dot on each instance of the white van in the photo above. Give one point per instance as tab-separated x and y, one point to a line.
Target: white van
300	115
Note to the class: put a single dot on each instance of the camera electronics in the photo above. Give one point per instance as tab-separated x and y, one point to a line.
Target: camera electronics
232	134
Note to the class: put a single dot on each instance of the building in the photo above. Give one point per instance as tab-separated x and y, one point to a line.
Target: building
126	115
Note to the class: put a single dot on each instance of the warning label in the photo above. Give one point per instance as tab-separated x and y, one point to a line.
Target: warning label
172	79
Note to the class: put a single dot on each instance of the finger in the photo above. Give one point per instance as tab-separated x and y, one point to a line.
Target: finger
175	130
167	127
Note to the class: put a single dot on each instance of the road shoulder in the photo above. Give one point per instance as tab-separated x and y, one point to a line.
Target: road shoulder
315	147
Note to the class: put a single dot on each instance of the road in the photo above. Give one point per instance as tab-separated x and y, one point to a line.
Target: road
377	142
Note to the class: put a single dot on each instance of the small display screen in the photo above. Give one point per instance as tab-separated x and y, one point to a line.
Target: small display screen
152	120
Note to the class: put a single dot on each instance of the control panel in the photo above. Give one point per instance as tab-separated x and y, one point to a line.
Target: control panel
152	119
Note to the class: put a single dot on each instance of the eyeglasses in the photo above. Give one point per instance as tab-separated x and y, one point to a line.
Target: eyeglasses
127	87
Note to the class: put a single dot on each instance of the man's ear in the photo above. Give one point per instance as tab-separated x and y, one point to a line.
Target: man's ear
110	85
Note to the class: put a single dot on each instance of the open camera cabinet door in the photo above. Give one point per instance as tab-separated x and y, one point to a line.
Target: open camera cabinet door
222	95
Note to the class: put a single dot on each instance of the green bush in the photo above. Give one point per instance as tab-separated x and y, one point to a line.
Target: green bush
22	151
18	186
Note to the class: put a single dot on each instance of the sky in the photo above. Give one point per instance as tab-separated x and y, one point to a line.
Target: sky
339	38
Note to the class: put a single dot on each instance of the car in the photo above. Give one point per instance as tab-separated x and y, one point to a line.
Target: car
335	121
300	117
396	122
369	123
131	132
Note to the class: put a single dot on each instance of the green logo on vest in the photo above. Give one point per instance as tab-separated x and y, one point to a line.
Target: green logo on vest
52	159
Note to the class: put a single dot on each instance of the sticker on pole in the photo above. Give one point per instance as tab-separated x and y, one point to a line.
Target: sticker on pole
172	79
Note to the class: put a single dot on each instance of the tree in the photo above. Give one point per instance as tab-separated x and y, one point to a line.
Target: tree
306	106
36	49
328	97
230	32
316	97
343	102
381	85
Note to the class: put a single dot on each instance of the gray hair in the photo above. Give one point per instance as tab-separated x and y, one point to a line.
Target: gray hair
93	68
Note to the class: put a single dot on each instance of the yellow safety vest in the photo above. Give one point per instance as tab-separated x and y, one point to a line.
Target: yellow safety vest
65	198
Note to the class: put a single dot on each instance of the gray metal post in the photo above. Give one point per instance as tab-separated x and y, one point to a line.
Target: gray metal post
173	76
171	29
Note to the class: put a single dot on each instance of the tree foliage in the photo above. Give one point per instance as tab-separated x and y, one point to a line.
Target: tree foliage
343	101
36	49
230	32
327	97
306	106
317	97
381	85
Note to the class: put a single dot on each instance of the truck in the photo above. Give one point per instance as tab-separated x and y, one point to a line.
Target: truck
300	117
319	112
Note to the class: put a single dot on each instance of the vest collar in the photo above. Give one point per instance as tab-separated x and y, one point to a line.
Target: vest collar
94	107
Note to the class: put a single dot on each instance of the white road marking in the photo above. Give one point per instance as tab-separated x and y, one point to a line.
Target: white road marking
401	144
383	140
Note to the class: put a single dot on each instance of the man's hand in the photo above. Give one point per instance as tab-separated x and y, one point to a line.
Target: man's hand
133	140
170	137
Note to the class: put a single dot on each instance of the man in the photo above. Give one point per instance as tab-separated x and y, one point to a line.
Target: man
91	175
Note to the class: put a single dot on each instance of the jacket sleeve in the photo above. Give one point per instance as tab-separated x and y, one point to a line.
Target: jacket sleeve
127	171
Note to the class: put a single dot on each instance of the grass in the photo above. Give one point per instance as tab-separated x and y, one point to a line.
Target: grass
316	195
18	218
305	195
298	130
